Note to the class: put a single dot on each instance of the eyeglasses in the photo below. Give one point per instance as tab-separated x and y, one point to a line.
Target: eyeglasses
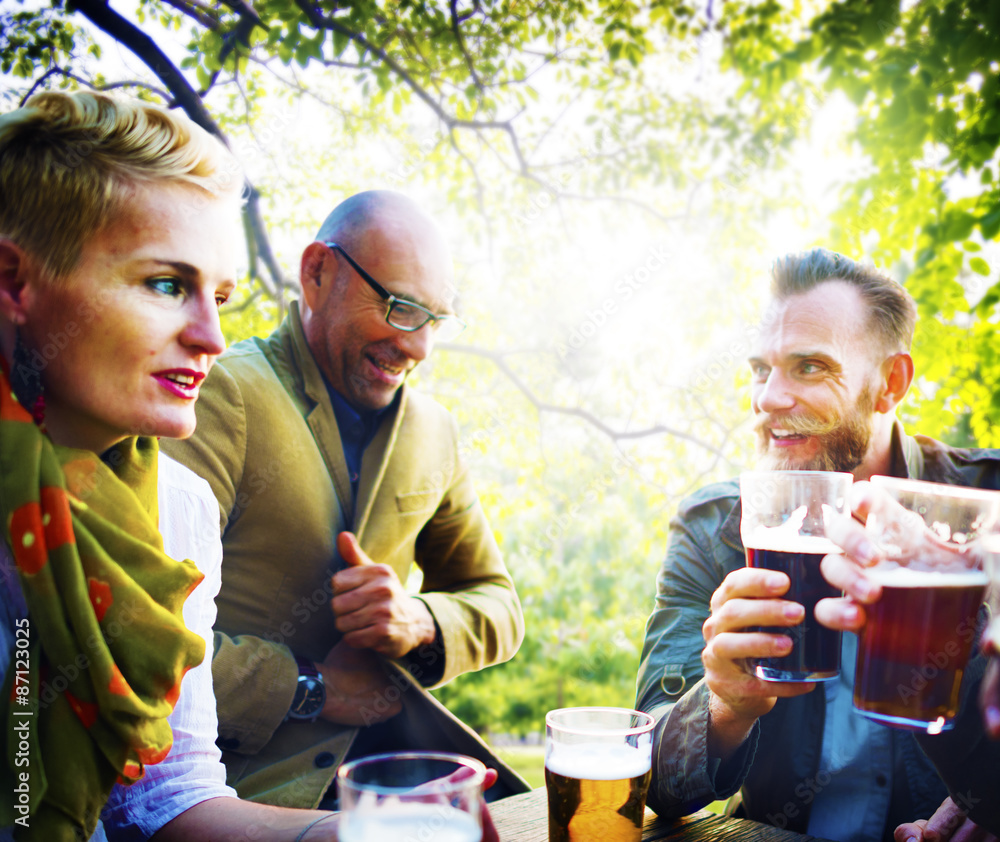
405	315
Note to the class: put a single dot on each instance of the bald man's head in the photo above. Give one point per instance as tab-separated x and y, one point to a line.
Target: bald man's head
363	357
357	217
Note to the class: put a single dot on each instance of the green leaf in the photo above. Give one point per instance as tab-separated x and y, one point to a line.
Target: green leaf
203	76
979	266
985	306
958	225
340	42
990	224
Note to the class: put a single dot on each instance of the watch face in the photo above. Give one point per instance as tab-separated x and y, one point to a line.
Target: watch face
310	695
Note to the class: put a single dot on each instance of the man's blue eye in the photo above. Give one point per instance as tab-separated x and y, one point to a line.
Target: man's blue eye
168	286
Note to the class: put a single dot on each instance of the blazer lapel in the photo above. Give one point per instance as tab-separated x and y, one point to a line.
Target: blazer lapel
375	461
321	419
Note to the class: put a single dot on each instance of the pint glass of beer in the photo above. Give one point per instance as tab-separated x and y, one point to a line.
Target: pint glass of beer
415	795
916	642
782	528
598	764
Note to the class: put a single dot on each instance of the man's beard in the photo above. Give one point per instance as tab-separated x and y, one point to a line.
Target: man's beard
843	441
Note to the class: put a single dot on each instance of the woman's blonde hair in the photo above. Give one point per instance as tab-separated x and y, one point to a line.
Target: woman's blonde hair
69	163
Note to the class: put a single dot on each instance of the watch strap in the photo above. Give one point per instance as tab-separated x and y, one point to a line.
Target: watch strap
307	667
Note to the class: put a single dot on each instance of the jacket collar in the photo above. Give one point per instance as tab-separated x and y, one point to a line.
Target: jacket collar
322	421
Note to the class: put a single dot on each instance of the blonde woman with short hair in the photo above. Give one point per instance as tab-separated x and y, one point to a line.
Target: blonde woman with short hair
118	232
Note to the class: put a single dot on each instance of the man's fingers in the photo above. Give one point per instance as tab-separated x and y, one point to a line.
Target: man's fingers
863	496
350	550
910	832
841	613
357	589
750	582
375	640
950	823
373	583
867	499
743	645
989	698
740	614
843	573
850	535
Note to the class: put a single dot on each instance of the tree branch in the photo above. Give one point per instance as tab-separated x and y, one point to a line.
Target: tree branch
129	35
542	406
201	12
249	20
480	192
243	305
317	20
42	78
456	29
264	251
128	83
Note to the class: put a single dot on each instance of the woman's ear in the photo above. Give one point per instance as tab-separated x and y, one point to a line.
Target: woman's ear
14	273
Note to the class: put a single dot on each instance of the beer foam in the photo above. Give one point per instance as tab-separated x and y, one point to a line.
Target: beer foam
890	574
409	820
777	539
598	761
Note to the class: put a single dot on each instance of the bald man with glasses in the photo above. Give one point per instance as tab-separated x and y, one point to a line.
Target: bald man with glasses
334	479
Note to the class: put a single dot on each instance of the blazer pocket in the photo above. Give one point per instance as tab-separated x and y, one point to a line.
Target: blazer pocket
418	501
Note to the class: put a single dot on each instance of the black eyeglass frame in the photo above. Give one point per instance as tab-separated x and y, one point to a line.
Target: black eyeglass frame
392	301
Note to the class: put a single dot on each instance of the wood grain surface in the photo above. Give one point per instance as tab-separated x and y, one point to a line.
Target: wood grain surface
524	818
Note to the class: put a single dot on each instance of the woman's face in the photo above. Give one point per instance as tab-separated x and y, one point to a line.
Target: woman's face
124	341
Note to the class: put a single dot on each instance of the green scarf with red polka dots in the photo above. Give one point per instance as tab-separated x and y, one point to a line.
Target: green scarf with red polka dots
97	666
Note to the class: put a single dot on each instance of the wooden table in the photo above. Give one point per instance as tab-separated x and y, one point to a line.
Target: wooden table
524	818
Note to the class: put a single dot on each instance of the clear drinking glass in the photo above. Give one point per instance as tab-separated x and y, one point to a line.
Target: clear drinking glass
418	795
598	764
916	642
782	528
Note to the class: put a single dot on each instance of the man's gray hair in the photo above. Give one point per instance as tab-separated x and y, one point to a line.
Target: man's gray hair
892	310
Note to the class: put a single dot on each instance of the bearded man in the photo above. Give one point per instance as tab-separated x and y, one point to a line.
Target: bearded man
830	364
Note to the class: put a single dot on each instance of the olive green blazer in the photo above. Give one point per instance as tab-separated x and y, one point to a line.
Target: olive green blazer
267	442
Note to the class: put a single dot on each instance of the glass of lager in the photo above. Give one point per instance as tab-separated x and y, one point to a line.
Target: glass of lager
598	764
782	527
415	795
916	642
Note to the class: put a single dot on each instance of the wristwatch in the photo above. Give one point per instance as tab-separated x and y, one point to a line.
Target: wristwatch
310	694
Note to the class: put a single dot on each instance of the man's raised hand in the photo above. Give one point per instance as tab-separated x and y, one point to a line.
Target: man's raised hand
372	608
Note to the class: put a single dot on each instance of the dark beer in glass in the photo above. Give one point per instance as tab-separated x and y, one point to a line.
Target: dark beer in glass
918	635
815	654
783	528
915	646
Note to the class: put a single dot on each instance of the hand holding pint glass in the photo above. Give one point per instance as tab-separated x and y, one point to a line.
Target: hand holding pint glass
916	642
598	765
783	529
